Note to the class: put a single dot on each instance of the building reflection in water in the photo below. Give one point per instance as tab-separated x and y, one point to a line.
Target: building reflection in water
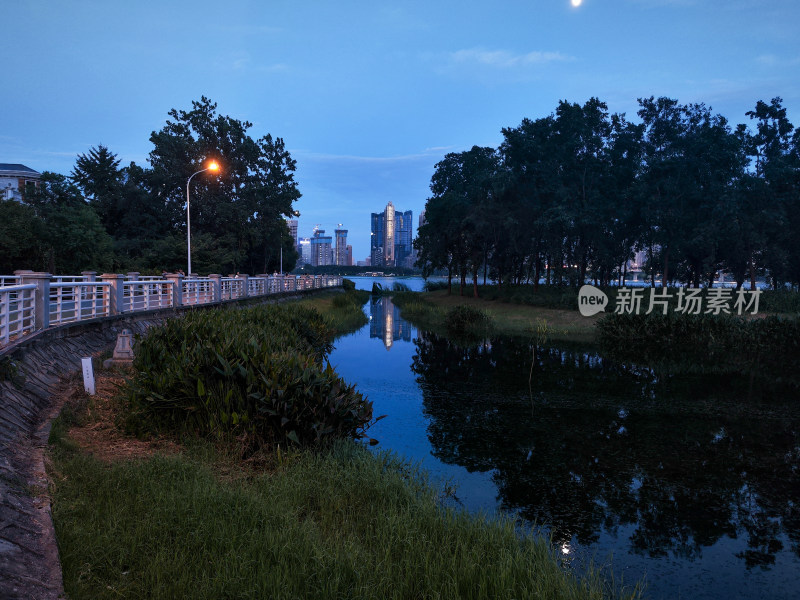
385	322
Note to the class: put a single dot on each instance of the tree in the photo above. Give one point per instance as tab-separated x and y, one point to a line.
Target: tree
458	232
20	237
98	176
529	198
72	237
773	188
437	238
691	161
243	207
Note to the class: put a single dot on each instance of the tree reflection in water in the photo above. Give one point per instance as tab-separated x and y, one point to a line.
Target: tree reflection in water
591	446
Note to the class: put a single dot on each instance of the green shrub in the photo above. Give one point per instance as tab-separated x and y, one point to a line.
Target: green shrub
780	301
464	319
257	371
398	286
345	300
348	285
703	343
432	286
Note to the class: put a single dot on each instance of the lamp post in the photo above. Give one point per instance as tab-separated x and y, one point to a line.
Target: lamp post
212	166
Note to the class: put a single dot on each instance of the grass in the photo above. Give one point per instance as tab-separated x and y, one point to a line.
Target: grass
335	523
429	310
342	311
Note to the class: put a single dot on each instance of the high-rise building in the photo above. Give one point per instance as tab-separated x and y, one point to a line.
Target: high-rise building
404	229
390	242
377	238
321	253
292	224
341	247
304	248
349	262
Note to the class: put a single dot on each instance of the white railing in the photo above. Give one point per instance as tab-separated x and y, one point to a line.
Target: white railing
256	286
146	294
78	301
198	291
231	288
30	301
17	312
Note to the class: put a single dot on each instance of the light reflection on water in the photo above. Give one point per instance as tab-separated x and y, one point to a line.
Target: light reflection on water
693	482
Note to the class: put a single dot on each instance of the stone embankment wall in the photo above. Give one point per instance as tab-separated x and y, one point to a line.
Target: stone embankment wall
32	374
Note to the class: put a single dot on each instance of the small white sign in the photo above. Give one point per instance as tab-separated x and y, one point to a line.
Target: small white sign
88	375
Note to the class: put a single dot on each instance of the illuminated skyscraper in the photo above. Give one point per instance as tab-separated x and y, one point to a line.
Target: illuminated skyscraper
341	246
304	248
391	237
292	224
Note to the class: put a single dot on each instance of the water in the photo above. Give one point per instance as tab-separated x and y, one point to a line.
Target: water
415	284
693	482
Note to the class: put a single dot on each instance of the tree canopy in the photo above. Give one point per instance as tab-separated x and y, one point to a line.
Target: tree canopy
133	218
573	195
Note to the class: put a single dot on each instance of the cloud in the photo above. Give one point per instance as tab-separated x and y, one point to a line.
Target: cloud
771	60
242	62
438	149
502	59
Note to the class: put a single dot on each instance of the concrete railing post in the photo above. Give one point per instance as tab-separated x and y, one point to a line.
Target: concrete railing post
216	282
243	279
265	284
116	292
89	276
41	295
133	275
176	279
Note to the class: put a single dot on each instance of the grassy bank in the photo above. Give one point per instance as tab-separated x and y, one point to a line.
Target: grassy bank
782	302
342	311
550	312
340	522
430	310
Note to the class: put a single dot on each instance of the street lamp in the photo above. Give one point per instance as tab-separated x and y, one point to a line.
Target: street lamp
212	166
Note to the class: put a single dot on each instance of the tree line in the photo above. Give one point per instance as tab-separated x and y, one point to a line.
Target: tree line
105	217
573	195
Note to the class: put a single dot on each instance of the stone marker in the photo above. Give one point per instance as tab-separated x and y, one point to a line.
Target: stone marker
123	351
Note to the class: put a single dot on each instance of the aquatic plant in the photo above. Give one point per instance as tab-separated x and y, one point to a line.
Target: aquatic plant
259	372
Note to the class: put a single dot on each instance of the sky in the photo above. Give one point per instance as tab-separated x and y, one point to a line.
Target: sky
369	96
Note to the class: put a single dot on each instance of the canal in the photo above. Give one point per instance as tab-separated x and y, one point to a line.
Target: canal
690	482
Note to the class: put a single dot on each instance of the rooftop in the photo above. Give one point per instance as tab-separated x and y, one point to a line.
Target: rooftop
17	169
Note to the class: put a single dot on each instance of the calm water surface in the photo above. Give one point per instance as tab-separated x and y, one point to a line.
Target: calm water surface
415	284
692	482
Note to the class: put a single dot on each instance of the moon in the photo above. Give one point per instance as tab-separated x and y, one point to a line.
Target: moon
576	2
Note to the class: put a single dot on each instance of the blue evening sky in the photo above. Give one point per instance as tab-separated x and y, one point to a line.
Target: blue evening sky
370	95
